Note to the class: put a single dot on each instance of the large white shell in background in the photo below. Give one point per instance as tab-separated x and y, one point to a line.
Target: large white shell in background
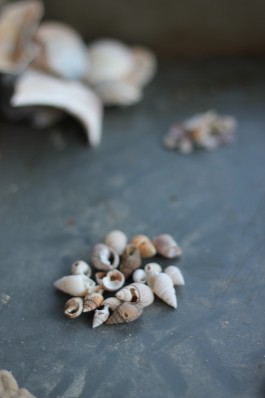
162	286
117	240
75	285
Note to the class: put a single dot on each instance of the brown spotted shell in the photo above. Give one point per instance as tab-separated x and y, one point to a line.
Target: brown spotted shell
93	301
130	260
137	293
126	312
166	245
144	244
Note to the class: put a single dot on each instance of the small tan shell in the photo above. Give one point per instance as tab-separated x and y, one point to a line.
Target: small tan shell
175	274
75	285
113	281
73	307
93	301
150	267
167	246
81	267
99	276
130	260
112	303
104	258
126	312
100	316
139	275
136	293
145	245
117	240
162	286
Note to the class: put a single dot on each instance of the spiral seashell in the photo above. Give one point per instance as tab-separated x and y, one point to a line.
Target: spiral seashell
99	276
104	258
113	281
81	267
136	293
167	246
73	307
112	303
145	245
130	260
93	301
117	240
75	285
140	276
100	316
126	312
150	267
175	274
162	286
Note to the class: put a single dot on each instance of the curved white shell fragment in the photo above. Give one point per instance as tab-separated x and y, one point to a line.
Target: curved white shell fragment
140	276
136	293
164	289
153	267
81	267
117	240
75	285
37	88
145	66
175	274
113	281
63	51
100	316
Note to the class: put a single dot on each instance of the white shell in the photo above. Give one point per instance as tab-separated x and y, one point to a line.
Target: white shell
175	274
144	68
112	303
100	316
113	281
63	51
136	293
104	258
151	276
99	277
140	276
37	88
153	267
75	285
162	286
121	93
117	240
81	267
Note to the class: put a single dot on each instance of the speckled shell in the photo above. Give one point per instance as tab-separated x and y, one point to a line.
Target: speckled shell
130	260
117	240
145	245
73	307
140	276
164	289
100	316
113	281
150	267
81	267
75	285
92	301
104	258
126	312
137	293
167	246
112	303
175	274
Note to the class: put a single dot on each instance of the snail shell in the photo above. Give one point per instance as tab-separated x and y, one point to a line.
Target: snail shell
112	303
130	260
73	307
162	286
104	258
81	267
93	301
113	281
175	274
75	285
117	240
153	267
100	316
167	246
136	293
145	245
139	275
126	312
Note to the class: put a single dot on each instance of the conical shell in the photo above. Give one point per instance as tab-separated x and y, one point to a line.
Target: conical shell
75	285
100	316
145	245
164	289
150	267
104	258
113	281
73	307
136	293
166	246
112	303
117	240
151	276
175	274
139	275
126	312
93	301
81	267
130	260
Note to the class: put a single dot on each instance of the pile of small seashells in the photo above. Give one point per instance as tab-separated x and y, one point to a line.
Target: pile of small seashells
128	303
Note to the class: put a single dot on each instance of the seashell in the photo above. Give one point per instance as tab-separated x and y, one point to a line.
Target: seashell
144	68
112	303
75	285
9	387
153	267
113	281
151	278
104	258
136	293
63	51
144	244
130	260
175	274
120	93
81	267
73	307
35	88
99	276
162	286
100	316
93	301
117	240
140	276
126	312
167	246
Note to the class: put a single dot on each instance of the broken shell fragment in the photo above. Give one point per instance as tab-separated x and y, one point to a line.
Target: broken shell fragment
162	286
136	293
117	240
73	307
153	267
104	258
99	276
130	260
120	93
75	285
100	316
113	281
175	274
144	244
93	301
126	312
112	303
81	267
37	88
167	246
140	276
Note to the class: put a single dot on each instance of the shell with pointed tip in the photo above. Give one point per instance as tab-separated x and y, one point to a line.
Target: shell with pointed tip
175	274
104	258
75	285
163	287
139	275
126	312
150	267
112	303
93	301
73	307
100	316
166	245
145	245
151	278
120	93
136	293
113	281
130	260
117	240
81	267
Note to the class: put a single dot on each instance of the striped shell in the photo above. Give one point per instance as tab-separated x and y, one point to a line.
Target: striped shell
136	293
93	301
126	312
162	286
100	316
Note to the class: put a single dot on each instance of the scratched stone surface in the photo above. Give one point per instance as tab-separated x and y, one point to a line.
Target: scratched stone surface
58	198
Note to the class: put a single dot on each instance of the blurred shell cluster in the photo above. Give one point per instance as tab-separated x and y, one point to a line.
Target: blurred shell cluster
119	268
50	67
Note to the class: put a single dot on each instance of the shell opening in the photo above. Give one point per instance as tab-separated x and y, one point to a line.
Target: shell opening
134	295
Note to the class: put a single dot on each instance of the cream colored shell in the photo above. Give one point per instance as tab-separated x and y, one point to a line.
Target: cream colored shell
112	303
145	245
113	281
138	293
100	316
81	267
162	286
73	307
152	267
75	285
117	240
104	258
93	301
139	275
166	245
175	274
126	312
